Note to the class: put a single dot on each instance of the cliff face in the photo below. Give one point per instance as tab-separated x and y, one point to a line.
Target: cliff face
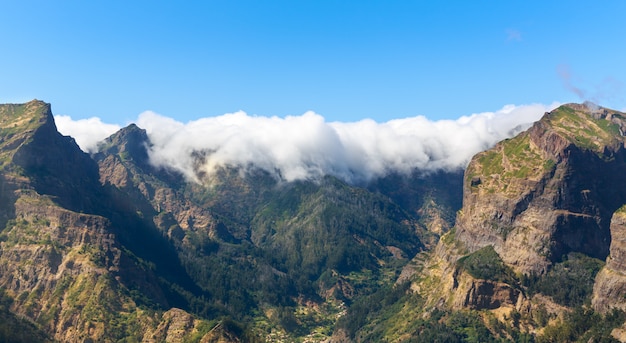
541	212
54	163
109	247
62	262
549	191
610	287
289	233
537	218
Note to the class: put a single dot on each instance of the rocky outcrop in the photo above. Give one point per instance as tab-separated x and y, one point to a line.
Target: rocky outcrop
609	290
534	198
55	165
124	164
549	191
479	294
62	262
178	326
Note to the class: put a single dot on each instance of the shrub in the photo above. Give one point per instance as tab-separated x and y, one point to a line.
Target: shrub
486	264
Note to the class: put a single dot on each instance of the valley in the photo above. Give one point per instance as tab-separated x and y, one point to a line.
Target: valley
524	245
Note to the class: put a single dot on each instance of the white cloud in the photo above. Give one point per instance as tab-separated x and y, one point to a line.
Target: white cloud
308	147
86	132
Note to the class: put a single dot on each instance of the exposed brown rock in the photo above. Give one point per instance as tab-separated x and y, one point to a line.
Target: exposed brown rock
536	197
174	326
123	163
609	290
536	200
484	294
61	260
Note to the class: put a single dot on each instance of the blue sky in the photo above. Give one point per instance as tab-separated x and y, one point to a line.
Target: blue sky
346	60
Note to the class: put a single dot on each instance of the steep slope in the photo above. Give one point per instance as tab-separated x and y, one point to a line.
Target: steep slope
609	290
549	191
544	202
527	251
610	286
109	247
63	264
540	200
243	235
433	198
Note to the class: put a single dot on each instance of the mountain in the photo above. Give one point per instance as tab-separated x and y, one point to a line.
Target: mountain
525	244
536	250
69	270
321	243
556	185
108	247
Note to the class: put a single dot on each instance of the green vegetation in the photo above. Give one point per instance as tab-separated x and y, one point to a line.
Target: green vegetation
14	329
491	162
583	325
254	256
584	130
569	283
380	305
486	264
396	314
523	160
16	122
511	159
384	317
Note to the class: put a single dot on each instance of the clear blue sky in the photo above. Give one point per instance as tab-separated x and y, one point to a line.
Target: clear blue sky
345	60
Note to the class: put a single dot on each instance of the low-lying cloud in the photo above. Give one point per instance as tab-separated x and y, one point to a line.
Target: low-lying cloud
86	132
309	147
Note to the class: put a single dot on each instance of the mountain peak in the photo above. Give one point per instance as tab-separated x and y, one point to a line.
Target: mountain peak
129	142
18	125
31	147
549	183
587	126
26	115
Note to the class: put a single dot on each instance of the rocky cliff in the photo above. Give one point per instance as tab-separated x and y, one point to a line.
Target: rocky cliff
610	286
528	247
109	247
62	262
549	191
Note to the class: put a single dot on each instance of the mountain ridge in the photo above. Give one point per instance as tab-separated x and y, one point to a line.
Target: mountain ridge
63	264
109	247
533	231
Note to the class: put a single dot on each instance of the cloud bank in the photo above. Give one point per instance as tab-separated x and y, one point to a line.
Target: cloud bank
86	132
308	147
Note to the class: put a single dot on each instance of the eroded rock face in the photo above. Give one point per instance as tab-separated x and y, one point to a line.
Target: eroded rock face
549	191
124	163
536	197
178	326
61	259
609	290
55	165
174	326
485	294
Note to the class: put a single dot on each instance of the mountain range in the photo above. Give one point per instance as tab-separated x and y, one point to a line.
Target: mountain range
525	244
